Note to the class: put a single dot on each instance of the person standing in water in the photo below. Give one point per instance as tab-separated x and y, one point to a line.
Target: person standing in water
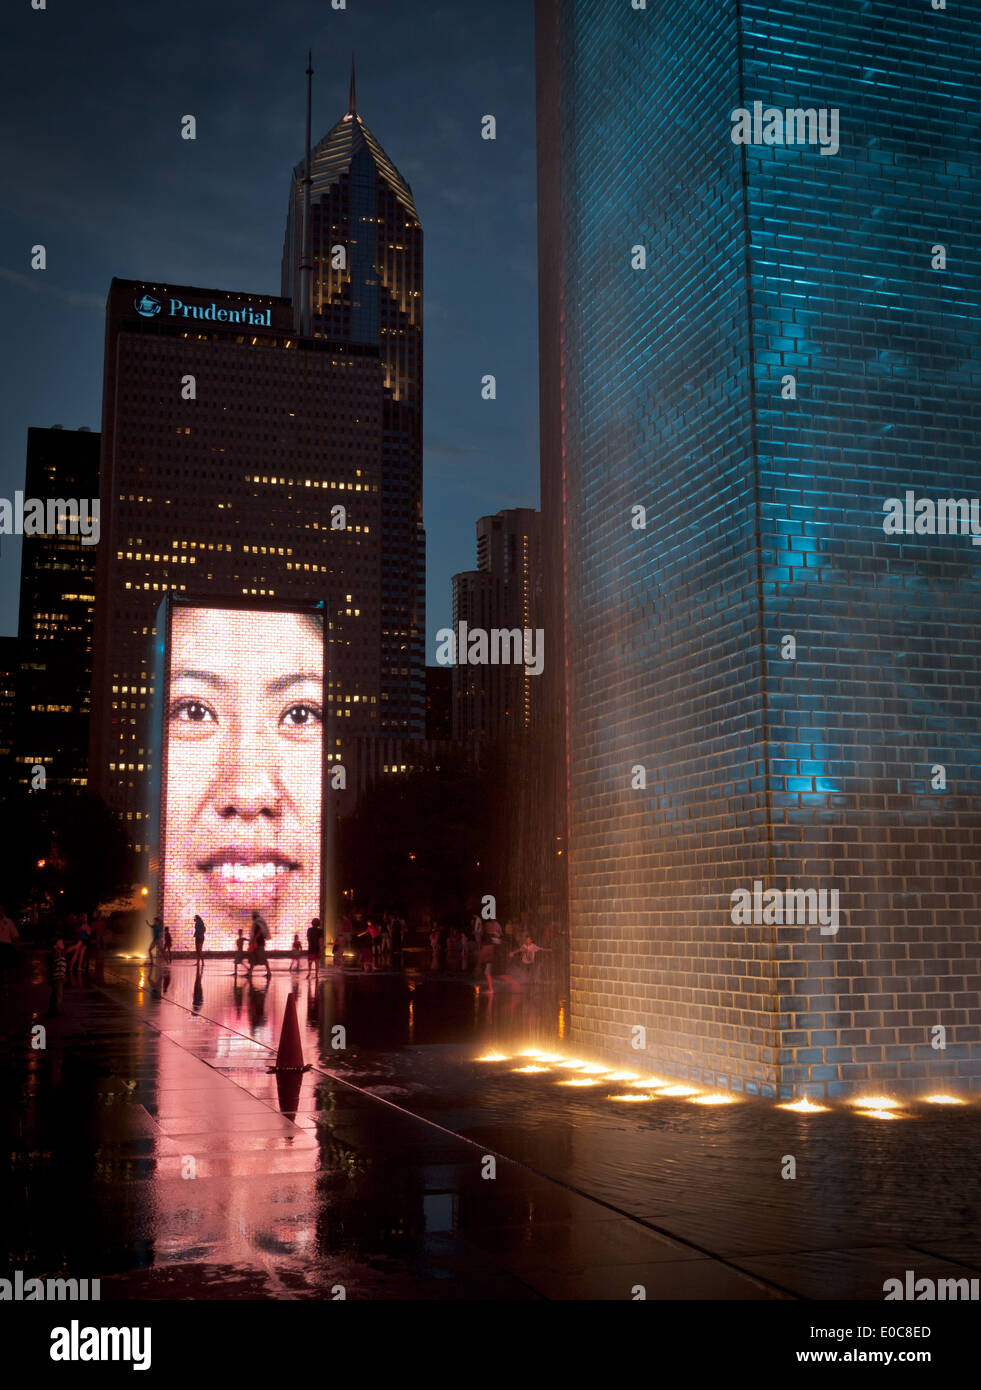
156	933
58	971
260	935
315	938
199	939
528	952
487	957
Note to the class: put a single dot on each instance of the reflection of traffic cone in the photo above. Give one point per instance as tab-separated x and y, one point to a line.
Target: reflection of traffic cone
288	1086
290	1054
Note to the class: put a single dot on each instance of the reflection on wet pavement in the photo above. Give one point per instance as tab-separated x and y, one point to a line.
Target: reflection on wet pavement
179	1167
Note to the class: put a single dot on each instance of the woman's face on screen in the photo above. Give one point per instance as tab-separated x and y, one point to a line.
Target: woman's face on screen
243	796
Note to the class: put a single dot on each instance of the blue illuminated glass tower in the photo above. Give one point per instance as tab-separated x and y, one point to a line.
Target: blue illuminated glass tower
747	349
365	254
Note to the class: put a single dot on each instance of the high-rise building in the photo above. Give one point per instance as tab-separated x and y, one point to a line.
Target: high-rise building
504	592
546	817
439	703
509	546
383	759
478	700
507	707
236	461
9	672
365	253
748	349
57	600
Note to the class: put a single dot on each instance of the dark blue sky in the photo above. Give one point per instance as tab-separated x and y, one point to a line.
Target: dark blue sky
94	168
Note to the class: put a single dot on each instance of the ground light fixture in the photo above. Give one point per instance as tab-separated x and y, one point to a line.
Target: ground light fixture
649	1088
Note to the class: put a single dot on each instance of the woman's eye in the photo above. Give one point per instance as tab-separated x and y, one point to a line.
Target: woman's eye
192	712
301	716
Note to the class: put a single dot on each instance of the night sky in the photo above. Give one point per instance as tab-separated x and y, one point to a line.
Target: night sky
94	169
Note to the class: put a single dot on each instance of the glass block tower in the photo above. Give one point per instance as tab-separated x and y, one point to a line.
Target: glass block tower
366	288
747	350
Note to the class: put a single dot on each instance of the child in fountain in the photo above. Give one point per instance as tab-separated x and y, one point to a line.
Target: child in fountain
528	952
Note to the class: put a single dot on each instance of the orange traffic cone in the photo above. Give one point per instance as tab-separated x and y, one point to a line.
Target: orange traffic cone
290	1054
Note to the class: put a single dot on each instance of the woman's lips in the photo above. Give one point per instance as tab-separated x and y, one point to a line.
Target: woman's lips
249	873
247	877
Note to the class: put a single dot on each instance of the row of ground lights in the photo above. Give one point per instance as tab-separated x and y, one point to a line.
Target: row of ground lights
593	1074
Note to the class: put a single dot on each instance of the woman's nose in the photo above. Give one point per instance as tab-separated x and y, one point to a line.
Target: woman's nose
248	786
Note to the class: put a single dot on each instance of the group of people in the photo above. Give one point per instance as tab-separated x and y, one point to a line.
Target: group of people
379	942
251	953
487	943
162	943
71	961
76	939
484	949
248	953
9	937
315	942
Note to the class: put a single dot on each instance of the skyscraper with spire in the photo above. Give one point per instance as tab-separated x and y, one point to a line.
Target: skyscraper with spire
364	249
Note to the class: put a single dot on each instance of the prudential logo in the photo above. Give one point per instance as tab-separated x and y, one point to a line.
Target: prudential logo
147	306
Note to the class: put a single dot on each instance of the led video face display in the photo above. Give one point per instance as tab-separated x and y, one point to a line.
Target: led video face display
242	793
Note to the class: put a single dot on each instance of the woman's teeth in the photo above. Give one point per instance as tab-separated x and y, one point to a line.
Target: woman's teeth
250	873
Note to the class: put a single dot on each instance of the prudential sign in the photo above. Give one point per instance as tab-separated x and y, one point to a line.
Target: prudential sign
148	307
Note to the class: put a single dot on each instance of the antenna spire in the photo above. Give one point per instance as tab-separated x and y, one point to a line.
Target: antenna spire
305	315
352	101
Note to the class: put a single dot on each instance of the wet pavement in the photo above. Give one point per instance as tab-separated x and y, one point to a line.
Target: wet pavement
150	1147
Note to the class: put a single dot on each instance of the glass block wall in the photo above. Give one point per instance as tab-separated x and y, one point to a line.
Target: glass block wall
759	344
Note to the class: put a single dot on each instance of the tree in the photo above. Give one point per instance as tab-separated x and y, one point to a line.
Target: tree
68	846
